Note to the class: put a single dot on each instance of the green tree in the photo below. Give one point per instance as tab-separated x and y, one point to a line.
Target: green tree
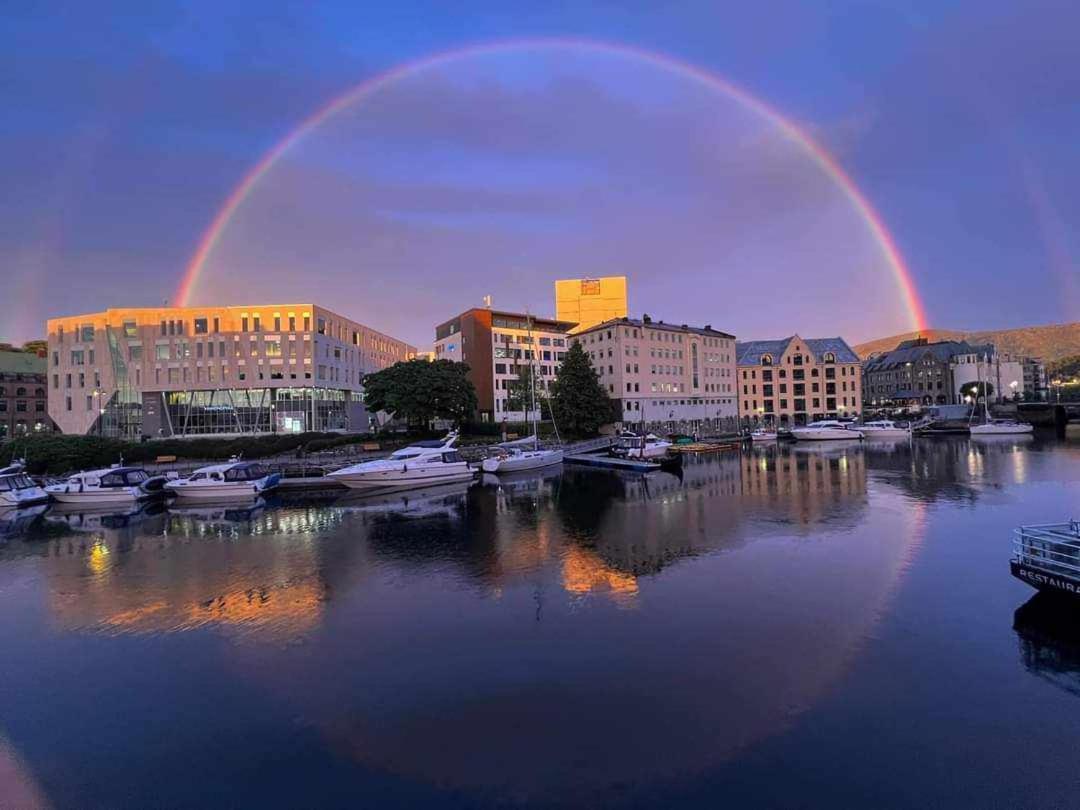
579	403
519	396
420	391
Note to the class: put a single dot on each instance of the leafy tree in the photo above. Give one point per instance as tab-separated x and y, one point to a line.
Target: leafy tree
1066	368
420	391
519	396
579	403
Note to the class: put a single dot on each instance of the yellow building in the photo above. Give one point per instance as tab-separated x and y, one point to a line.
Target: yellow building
590	301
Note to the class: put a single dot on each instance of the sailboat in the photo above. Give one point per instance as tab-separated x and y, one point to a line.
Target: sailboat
510	457
995	427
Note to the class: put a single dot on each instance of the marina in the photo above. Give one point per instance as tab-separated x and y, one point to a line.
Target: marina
558	598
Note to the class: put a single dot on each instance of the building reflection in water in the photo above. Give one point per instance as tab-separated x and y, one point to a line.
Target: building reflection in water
742	590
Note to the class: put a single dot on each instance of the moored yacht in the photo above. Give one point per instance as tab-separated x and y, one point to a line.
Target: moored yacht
763	434
418	465
520	456
1002	427
825	430
232	480
111	486
18	489
649	446
884	429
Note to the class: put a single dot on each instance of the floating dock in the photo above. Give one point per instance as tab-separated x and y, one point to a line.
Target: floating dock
611	462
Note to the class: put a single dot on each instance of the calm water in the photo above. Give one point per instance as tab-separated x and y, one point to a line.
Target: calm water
805	626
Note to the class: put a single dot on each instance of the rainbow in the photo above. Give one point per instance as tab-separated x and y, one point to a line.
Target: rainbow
826	162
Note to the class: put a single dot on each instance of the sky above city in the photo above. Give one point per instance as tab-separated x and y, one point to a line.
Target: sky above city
766	168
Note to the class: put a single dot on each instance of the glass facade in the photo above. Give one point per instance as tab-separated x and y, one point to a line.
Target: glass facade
259	410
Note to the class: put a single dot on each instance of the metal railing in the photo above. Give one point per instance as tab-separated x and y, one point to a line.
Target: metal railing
1050	547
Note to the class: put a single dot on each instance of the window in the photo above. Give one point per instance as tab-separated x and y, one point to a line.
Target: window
77	357
130	329
217	325
135	352
201	326
244	324
277	323
161	351
86	333
256	323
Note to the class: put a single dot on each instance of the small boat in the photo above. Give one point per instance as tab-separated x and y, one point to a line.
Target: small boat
518	460
825	430
1047	557
1002	427
647	447
763	435
231	480
418	465
17	488
114	485
884	429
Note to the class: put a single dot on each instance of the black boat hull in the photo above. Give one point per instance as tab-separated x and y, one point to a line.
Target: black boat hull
1042	581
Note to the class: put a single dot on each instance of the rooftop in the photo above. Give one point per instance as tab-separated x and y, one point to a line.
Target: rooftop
914	351
748	353
706	330
21	363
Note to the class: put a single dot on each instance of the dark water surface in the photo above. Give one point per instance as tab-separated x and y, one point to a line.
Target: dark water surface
825	626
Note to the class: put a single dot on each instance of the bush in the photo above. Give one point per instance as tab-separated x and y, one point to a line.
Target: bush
56	453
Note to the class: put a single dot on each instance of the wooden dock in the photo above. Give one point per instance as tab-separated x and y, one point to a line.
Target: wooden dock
611	462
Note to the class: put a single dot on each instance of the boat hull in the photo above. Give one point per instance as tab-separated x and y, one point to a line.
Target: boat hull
1002	430
514	464
99	497
1044	581
23	497
763	437
229	490
402	479
826	435
886	433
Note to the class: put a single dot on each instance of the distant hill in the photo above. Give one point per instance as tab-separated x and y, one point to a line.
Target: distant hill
1052	342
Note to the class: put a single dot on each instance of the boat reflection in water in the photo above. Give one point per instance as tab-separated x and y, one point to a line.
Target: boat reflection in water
536	618
18	520
1048	631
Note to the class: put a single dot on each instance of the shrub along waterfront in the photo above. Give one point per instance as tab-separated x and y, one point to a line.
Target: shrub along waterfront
55	453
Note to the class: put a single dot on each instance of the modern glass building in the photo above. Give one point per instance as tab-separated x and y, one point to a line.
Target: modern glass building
200	371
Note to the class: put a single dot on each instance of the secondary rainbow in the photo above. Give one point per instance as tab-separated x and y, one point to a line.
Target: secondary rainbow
366	89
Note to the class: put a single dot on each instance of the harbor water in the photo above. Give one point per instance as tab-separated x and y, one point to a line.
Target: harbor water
824	626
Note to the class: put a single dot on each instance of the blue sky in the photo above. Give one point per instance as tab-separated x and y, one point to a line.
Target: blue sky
129	123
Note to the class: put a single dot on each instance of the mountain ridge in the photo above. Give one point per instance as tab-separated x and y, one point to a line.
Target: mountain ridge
1049	342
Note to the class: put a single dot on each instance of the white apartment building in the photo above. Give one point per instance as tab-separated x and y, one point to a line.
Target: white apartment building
670	377
1004	373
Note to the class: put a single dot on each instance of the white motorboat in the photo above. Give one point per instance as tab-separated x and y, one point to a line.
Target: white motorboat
825	430
763	435
232	480
649	446
1002	427
418	465
18	489
111	486
884	429
520	456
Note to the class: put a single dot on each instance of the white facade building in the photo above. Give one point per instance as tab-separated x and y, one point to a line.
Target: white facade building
674	378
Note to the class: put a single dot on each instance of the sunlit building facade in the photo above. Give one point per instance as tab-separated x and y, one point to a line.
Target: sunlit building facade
590	301
665	376
496	345
198	371
796	380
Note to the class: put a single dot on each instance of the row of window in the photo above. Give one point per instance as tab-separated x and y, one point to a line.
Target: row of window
21	406
798	373
23	392
800	404
798	389
798	359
